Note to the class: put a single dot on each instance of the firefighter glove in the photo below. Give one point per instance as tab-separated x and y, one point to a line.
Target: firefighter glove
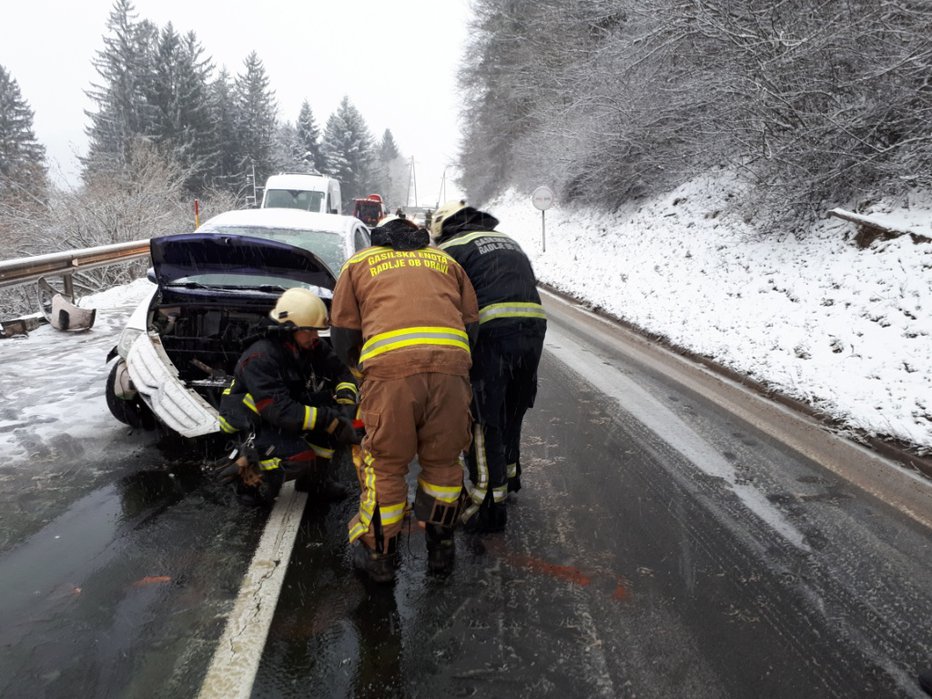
348	410
343	431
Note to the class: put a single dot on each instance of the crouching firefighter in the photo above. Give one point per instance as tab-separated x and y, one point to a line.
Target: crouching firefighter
291	403
403	314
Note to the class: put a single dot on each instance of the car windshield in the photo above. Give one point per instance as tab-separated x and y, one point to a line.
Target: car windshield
328	246
293	199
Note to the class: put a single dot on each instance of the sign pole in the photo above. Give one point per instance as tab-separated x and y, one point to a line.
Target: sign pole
543	232
542	198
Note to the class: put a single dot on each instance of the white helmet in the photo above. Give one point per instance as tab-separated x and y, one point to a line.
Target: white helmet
394	217
443	212
302	308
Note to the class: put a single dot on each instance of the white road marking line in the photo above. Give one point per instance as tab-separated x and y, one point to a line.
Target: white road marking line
236	661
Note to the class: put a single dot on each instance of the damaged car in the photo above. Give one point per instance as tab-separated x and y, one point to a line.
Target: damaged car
177	353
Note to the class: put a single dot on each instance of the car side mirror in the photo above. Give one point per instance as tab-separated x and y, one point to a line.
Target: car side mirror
150	275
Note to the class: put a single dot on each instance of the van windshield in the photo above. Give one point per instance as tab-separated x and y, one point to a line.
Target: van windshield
369	212
293	199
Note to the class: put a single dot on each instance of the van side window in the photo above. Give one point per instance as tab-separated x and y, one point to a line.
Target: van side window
361	239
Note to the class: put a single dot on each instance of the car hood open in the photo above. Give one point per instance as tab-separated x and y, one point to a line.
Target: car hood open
187	254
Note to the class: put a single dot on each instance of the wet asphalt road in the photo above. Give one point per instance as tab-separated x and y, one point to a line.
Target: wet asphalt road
627	569
623	572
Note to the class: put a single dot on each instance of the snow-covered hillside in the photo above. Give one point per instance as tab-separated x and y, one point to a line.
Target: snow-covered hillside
805	312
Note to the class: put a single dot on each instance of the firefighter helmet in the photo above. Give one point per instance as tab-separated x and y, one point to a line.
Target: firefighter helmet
391	218
443	212
301	308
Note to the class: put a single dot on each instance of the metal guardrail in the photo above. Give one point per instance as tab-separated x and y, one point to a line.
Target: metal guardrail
23	270
64	314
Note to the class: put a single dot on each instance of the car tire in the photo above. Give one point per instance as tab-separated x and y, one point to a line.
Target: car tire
133	412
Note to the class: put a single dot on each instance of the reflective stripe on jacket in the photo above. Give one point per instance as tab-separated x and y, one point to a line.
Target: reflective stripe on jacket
501	274
410	309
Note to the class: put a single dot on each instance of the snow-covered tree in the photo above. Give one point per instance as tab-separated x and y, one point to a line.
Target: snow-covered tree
226	171
289	150
255	118
391	172
180	97
22	157
123	112
347	150
388	151
309	137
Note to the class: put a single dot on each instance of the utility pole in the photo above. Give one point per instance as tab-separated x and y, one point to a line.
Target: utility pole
442	196
412	178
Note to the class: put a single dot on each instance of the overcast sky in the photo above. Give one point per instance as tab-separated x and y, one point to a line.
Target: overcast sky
396	61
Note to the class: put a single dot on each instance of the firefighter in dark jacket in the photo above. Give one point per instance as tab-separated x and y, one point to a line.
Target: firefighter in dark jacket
292	401
512	324
403	314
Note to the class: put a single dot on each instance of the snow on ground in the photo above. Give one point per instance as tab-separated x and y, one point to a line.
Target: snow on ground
52	382
810	315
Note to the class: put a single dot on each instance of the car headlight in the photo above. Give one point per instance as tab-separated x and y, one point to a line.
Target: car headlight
127	338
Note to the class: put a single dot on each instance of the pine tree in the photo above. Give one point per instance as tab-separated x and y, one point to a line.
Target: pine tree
289	150
181	105
255	118
195	109
22	158
388	151
309	136
390	177
123	108
226	165
347	150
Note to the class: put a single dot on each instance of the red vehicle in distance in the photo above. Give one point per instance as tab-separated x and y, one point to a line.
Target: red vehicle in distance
370	210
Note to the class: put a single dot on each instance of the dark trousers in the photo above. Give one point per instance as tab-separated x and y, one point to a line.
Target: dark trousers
504	381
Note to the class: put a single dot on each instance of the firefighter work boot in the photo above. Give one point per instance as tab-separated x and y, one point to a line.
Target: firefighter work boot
490	517
441	549
925	681
380	567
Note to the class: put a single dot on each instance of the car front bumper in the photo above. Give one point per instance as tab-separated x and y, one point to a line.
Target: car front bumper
156	379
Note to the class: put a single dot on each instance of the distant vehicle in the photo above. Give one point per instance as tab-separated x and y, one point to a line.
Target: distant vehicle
177	353
418	214
370	210
316	193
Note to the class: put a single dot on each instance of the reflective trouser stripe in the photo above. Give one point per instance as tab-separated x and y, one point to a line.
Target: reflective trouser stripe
444	493
477	490
226	426
250	403
482	463
391	514
512	309
500	494
367	502
413	337
512	470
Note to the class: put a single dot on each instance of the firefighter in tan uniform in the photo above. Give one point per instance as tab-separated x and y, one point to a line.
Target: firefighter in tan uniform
403	314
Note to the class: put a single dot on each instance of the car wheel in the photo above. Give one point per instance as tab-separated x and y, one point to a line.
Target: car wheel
133	412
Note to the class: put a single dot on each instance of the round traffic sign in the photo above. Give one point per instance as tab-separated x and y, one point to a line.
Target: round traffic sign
542	198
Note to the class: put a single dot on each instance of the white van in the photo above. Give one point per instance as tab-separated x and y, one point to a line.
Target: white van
317	193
